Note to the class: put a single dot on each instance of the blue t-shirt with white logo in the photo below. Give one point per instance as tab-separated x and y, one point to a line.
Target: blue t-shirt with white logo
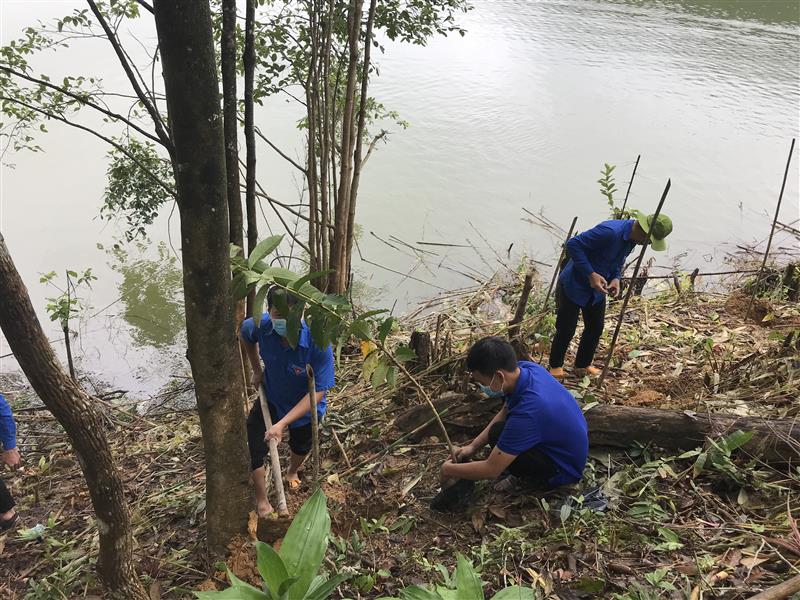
543	414
285	379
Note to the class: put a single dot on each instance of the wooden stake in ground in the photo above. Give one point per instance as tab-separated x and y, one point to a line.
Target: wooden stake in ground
312	398
513	325
771	232
630	183
629	290
275	460
557	270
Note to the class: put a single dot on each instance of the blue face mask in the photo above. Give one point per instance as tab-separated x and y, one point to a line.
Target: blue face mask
486	389
279	327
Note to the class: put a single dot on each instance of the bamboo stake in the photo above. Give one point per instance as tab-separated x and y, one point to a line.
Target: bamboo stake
771	231
513	325
629	290
312	398
275	460
630	183
556	272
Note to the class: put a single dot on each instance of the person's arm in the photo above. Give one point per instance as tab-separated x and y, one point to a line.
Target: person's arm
8	435
490	468
483	437
248	340
8	429
587	243
322	363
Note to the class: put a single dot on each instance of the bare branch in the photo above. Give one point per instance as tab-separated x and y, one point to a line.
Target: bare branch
107	140
154	114
83	100
279	151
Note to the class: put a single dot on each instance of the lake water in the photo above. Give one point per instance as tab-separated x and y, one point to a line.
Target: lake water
522	112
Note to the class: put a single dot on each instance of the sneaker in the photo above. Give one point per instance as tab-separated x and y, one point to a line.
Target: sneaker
588	371
558	373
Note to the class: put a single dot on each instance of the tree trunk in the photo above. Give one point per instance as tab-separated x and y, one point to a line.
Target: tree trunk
249	60
77	414
359	139
190	83
774	440
338	279
228	56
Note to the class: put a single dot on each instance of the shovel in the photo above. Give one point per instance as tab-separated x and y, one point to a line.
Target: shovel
275	460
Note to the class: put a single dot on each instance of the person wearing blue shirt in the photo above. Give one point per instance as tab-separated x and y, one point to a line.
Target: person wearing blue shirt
593	271
286	386
9	456
539	435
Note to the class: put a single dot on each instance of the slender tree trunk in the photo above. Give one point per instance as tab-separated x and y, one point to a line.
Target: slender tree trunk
228	55
338	281
359	139
190	83
327	142
311	117
249	135
78	415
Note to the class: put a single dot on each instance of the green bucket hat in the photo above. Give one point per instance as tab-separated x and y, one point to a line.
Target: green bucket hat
661	228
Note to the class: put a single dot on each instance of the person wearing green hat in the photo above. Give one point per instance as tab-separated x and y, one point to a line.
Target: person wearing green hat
595	264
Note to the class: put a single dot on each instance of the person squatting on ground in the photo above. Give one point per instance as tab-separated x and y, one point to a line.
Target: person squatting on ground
593	271
286	384
539	436
9	456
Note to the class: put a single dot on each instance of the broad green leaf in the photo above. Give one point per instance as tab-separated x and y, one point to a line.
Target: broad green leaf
379	375
326	588
468	583
271	567
447	594
258	305
298	285
263	248
699	464
305	542
294	323
737	439
391	376
384	329
360	329
415	592
239	590
404	354
668	535
241	283
234	251
279	275
515	592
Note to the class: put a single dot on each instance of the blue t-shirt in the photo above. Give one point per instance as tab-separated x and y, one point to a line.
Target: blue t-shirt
285	379
602	250
542	414
8	429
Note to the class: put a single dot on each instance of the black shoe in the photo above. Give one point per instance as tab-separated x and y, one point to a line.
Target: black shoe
453	498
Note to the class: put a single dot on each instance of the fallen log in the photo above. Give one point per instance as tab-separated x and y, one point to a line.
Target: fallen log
774	440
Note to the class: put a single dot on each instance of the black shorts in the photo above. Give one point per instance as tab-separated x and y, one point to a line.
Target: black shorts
299	437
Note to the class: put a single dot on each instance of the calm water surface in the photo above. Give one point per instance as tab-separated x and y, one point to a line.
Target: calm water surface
521	112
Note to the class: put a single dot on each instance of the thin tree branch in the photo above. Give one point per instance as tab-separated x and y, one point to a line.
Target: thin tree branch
154	114
83	100
107	140
278	150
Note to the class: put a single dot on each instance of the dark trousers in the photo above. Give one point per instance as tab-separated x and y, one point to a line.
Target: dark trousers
567	320
299	437
6	501
532	465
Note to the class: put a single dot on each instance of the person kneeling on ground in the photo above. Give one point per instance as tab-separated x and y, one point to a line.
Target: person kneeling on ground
9	456
540	434
286	385
597	257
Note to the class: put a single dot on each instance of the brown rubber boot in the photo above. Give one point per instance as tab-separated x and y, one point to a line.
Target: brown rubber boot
558	373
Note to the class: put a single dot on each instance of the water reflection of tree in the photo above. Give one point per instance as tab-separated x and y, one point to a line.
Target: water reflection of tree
151	291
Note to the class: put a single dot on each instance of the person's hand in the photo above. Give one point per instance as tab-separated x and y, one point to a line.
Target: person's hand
465	452
258	377
11	458
274	433
598	283
613	288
